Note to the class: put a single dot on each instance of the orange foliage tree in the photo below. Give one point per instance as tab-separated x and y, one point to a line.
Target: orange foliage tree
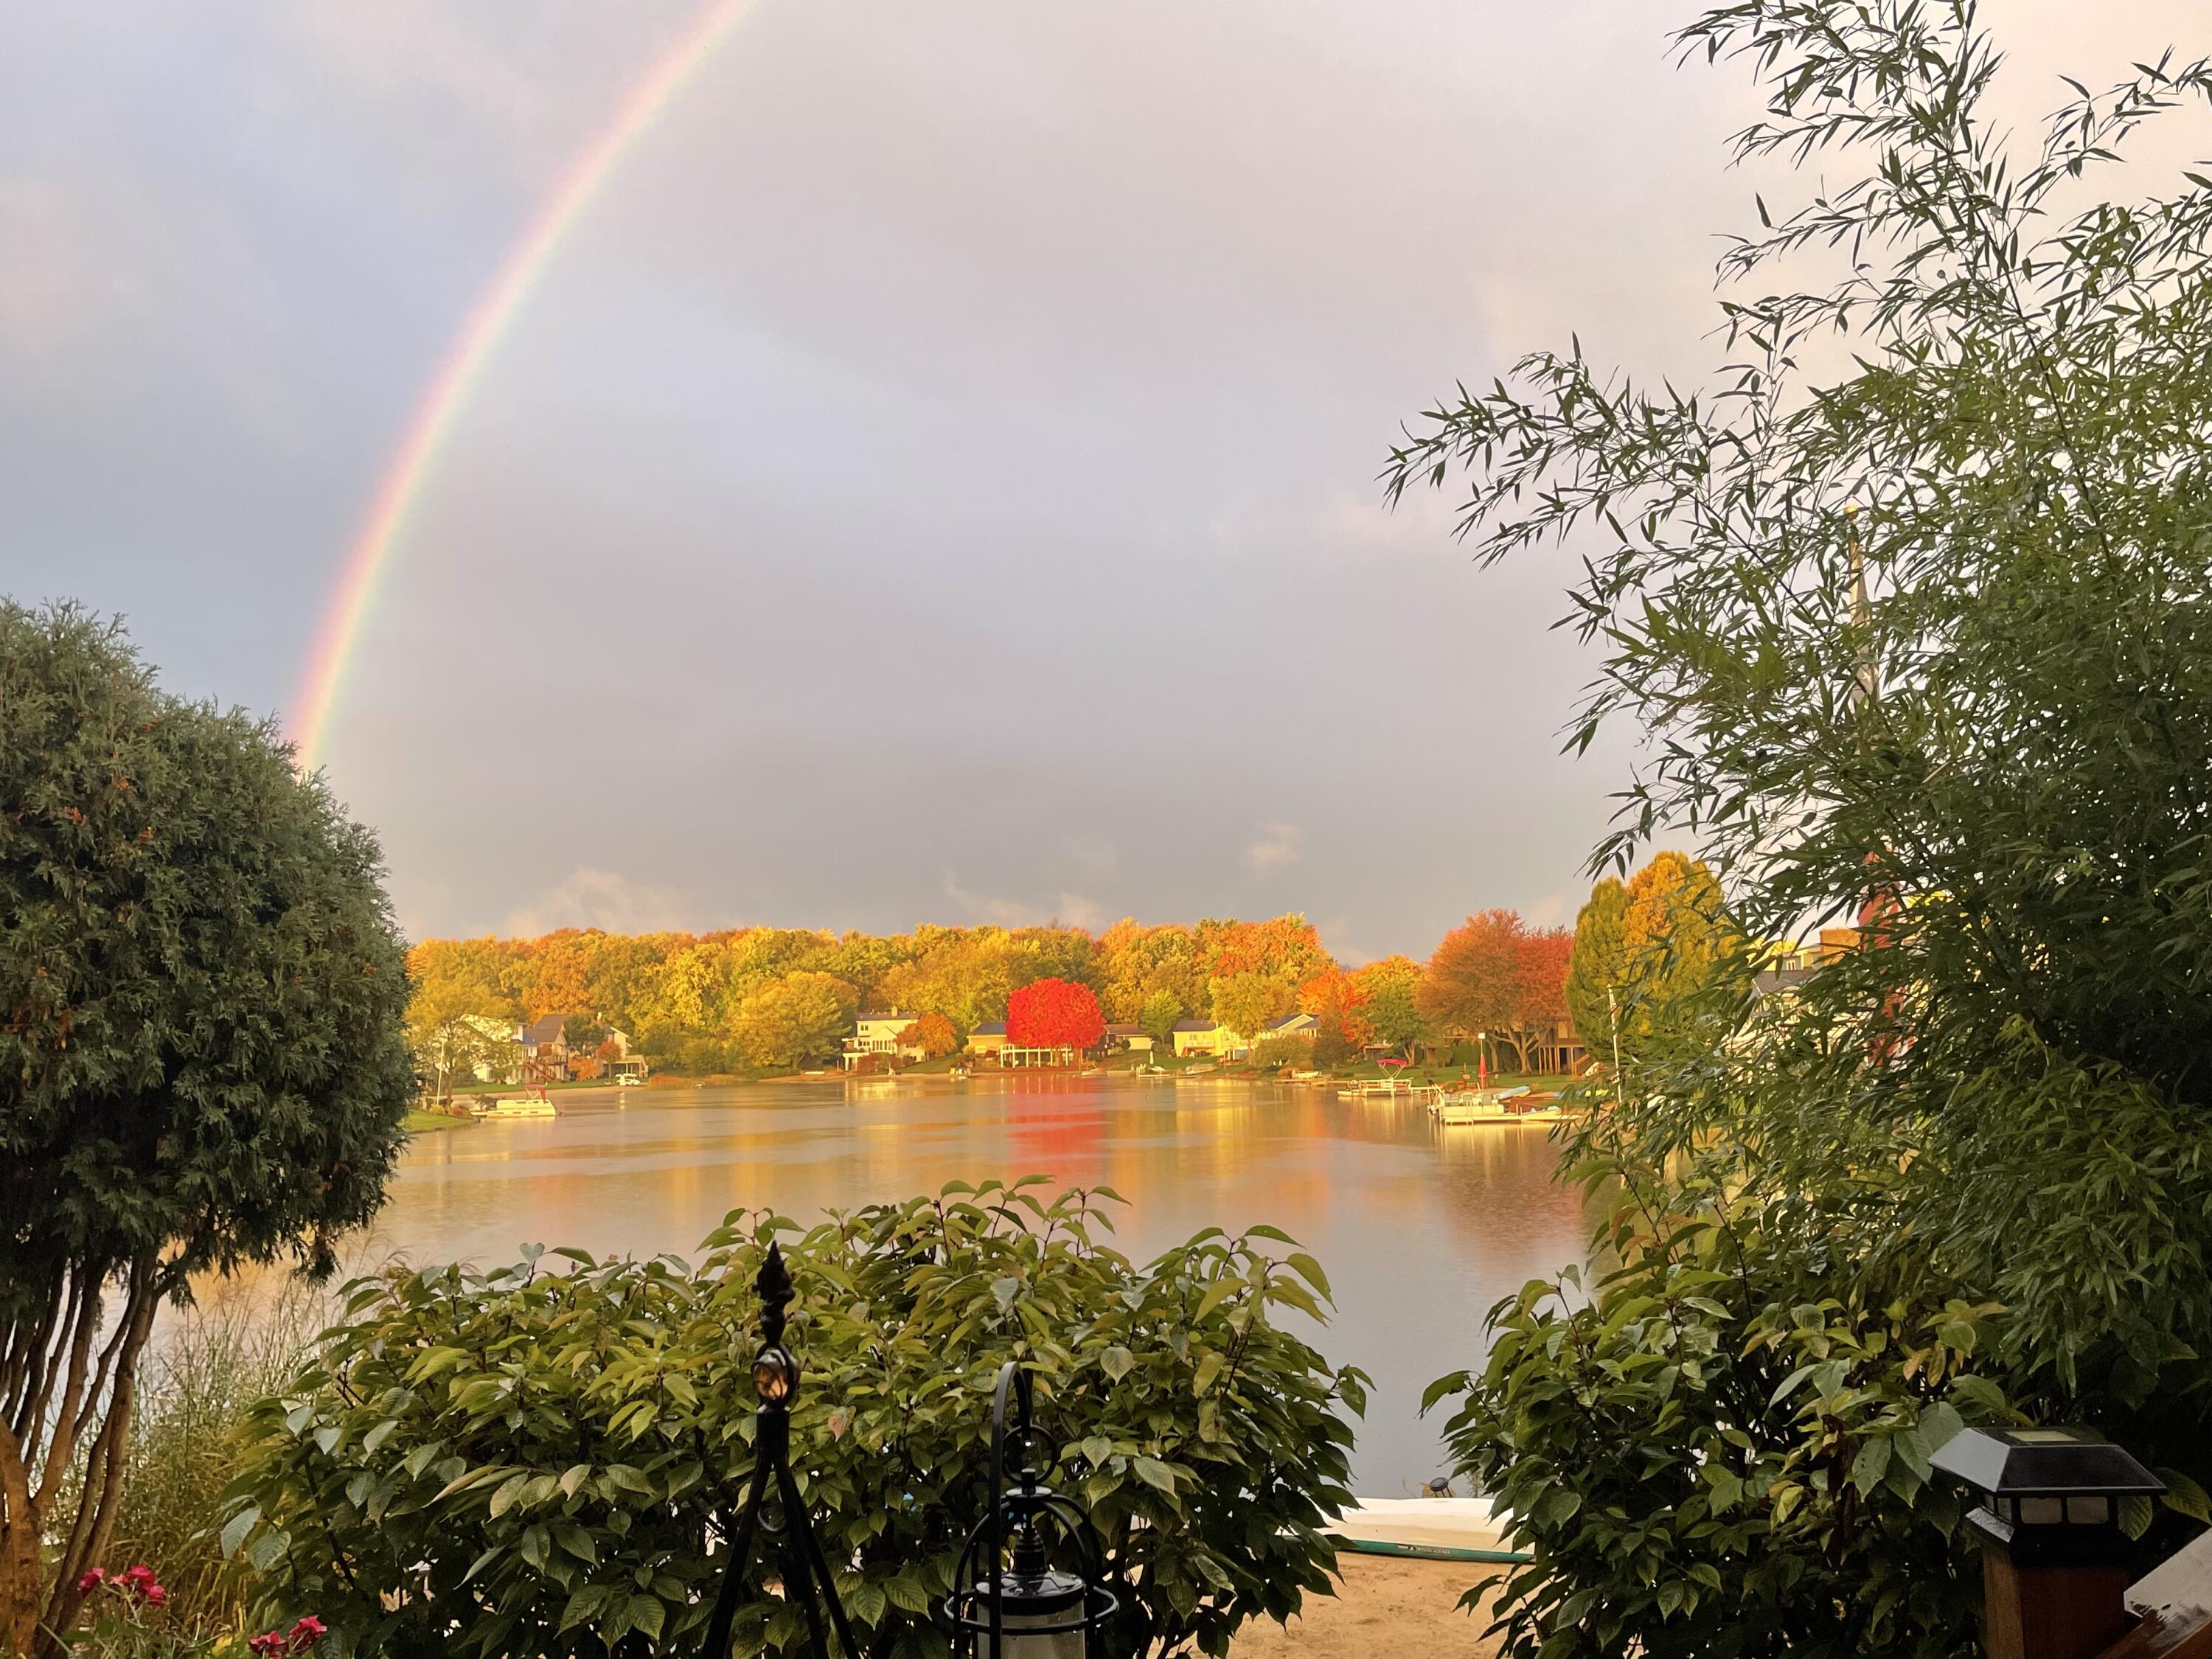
1496	980
933	1034
681	998
1338	1005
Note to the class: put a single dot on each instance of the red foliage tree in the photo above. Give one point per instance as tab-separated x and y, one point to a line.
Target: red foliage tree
1054	1013
1496	977
1545	954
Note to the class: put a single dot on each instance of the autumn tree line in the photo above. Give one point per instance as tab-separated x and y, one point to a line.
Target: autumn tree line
768	999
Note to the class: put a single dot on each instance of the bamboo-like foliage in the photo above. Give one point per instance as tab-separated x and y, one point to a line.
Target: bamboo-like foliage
1914	602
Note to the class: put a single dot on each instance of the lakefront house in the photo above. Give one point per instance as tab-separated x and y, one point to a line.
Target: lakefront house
1211	1038
880	1034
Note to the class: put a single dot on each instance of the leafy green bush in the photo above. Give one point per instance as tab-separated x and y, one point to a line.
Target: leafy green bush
1272	1053
525	1461
1706	1453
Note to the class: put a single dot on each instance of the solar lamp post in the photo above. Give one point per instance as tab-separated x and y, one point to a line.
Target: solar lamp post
2056	1564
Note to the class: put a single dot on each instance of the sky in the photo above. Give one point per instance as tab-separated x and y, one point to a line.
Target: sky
933	480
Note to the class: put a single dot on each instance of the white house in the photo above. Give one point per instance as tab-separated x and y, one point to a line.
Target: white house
879	1033
1206	1037
496	1054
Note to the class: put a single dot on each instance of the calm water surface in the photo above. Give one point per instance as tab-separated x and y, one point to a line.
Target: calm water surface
1420	1228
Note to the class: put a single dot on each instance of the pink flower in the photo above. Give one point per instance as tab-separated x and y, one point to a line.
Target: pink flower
268	1645
91	1581
304	1634
155	1596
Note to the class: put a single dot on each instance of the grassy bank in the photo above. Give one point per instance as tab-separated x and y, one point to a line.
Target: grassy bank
430	1122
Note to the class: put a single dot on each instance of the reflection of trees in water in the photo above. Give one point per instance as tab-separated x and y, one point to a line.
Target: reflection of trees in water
1504	1201
1420	1229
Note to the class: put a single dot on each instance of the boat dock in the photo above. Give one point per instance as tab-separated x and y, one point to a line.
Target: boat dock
1388	1087
1493	1106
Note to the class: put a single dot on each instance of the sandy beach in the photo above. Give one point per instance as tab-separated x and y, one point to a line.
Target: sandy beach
1385	1605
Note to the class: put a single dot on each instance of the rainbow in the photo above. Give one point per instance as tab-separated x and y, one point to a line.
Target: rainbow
352	596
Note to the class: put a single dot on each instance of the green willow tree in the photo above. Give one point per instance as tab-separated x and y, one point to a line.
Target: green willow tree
1915	603
202	1063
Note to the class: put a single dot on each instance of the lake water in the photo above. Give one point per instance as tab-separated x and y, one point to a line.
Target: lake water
1420	1228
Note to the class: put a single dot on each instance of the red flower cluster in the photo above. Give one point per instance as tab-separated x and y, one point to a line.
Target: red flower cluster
280	1645
137	1581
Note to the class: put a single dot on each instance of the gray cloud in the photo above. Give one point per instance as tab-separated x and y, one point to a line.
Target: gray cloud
948	445
1274	850
613	903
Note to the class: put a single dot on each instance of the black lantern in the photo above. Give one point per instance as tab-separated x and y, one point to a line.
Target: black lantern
2048	1495
1011	1603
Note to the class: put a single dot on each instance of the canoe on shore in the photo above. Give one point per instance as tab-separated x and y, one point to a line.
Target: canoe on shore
1431	1528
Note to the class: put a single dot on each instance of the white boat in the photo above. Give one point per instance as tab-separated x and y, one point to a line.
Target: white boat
1491	1106
1435	1528
523	1106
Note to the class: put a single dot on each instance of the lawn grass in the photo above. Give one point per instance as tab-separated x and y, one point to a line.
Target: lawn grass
418	1123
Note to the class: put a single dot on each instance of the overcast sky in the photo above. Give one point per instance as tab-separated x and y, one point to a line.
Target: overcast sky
934	481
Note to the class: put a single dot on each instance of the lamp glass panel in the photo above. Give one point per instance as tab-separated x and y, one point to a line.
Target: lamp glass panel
1022	1643
2042	1511
2089	1511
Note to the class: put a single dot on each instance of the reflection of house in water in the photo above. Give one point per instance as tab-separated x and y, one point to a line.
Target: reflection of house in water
1504	1203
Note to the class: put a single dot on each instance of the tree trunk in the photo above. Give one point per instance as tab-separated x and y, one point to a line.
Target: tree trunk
19	1549
102	1497
65	1385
